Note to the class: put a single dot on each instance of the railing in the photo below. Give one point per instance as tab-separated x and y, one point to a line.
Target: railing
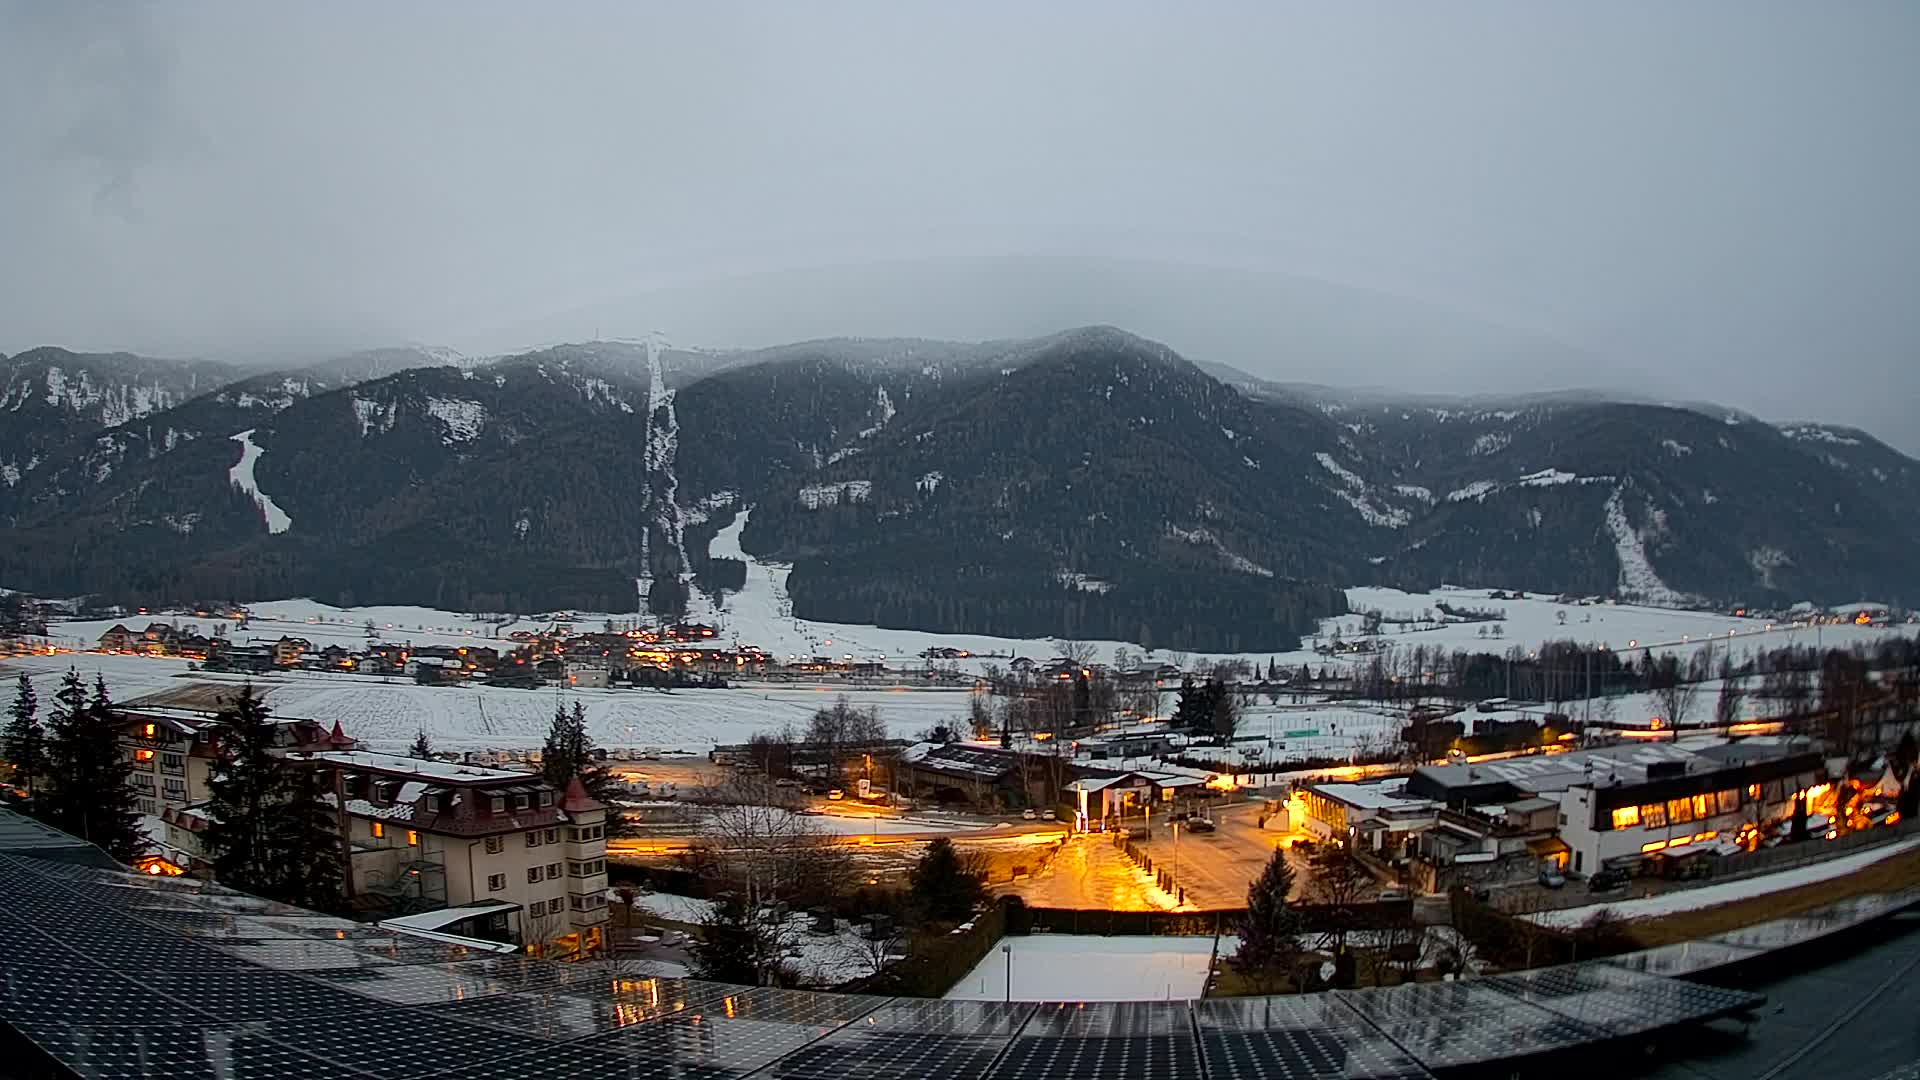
1790	856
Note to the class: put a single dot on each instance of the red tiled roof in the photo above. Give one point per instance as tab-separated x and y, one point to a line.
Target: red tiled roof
577	801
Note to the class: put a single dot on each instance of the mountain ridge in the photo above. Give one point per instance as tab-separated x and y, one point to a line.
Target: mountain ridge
1090	482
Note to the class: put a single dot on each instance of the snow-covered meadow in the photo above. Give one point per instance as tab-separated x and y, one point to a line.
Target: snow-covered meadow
387	712
1049	967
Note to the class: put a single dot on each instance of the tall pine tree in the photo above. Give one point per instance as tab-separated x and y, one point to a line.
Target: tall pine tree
245	786
24	742
1269	934
87	788
270	832
569	753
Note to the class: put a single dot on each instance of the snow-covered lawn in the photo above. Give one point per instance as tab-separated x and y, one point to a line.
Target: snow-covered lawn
1713	895
386	712
1061	967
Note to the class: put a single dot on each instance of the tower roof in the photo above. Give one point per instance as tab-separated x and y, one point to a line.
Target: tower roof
576	799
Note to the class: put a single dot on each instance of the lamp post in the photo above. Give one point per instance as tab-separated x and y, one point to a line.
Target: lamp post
1007	951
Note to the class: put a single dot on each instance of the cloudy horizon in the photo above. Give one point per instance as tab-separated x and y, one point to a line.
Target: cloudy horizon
1703	203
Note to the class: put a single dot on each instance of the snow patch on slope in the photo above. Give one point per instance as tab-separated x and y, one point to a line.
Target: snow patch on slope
241	475
1491	443
371	414
1816	433
461	418
1357	495
1765	560
815	496
1205	537
1414	491
1476	491
1637	577
1677	449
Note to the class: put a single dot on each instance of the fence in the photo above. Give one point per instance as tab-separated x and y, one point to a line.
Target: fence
938	962
1790	856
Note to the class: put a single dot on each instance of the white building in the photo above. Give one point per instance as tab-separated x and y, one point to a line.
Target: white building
1618	804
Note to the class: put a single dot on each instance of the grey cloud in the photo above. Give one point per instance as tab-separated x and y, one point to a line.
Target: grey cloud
1707	201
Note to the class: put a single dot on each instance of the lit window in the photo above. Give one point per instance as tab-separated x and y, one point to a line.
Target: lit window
1702	806
413	837
379	830
1654	815
1679	811
143	755
149	730
1626	817
1657	845
1753	792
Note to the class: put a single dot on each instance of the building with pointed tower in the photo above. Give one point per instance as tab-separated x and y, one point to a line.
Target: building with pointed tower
433	846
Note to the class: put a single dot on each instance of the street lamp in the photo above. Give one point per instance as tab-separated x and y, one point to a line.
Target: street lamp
1007	951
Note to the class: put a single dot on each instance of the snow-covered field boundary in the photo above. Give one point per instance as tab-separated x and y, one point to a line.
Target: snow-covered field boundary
1714	895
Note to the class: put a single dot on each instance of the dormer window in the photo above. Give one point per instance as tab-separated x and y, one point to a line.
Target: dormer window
546	798
520	802
498	804
433	804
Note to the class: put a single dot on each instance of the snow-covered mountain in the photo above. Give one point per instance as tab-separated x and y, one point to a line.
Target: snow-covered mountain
1090	483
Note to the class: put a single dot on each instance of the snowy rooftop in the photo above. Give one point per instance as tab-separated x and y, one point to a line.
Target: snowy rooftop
439	772
1381	795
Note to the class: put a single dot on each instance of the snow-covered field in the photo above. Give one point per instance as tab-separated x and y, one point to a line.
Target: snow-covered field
387	712
1713	895
1060	967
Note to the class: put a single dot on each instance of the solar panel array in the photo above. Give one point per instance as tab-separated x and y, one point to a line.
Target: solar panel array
115	974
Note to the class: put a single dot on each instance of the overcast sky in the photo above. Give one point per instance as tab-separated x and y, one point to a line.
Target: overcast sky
1709	200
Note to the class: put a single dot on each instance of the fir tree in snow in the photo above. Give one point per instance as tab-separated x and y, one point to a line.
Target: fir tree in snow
945	884
421	748
1269	933
87	791
25	742
569	752
271	833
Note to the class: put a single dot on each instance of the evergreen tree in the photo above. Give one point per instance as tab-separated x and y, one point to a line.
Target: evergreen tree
244	789
1188	710
88	791
728	948
24	740
944	884
1270	930
305	839
271	831
569	753
421	748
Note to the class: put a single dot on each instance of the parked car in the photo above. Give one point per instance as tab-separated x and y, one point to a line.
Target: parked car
835	795
1028	814
1607	880
1200	824
1551	877
1394	892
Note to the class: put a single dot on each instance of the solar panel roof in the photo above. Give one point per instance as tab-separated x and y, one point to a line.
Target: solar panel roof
111	973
